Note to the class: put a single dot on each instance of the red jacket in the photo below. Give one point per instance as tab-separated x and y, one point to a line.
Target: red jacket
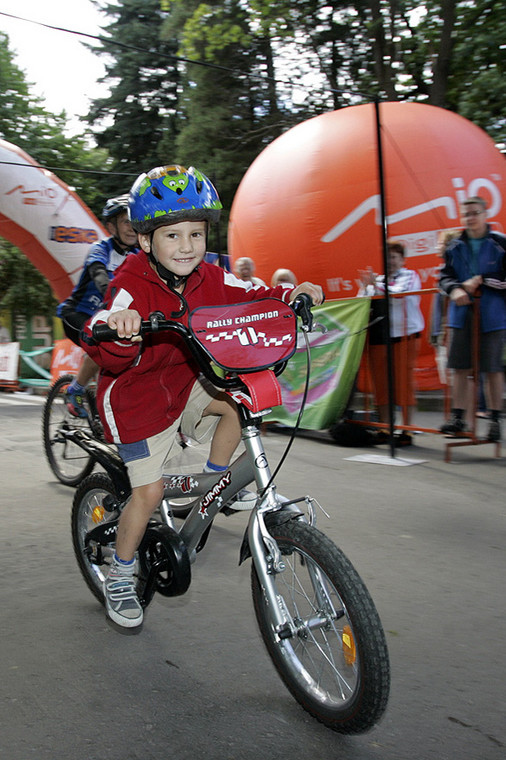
143	387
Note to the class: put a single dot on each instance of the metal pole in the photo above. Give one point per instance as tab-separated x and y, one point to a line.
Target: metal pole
383	217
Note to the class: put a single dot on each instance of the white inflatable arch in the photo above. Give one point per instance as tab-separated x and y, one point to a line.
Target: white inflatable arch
45	219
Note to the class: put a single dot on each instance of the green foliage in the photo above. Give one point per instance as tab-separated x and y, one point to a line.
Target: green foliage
229	109
25	123
477	81
23	289
142	106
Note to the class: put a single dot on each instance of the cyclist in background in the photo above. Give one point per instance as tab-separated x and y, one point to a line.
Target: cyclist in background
86	298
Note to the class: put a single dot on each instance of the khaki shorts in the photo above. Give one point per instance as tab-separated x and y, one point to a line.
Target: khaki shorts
145	459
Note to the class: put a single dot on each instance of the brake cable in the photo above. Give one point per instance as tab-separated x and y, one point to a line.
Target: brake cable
299	416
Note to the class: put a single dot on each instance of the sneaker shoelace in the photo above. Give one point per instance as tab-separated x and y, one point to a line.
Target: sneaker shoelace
122	591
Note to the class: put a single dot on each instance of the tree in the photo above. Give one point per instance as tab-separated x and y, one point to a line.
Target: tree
231	106
142	107
26	123
449	53
23	289
219	99
477	79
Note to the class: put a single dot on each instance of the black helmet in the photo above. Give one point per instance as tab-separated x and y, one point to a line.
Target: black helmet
115	206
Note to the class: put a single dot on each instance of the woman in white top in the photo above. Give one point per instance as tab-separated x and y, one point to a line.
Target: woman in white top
406	325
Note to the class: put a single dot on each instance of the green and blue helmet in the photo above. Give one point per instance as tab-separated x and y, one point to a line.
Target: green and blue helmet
172	194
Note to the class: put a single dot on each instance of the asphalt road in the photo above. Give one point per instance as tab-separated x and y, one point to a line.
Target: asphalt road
428	539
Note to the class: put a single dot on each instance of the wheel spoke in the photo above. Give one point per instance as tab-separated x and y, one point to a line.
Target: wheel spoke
88	512
67	460
324	668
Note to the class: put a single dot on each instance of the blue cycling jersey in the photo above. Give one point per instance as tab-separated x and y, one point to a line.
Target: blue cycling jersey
86	297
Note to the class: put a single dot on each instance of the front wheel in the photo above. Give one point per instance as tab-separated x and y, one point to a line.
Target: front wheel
336	662
69	462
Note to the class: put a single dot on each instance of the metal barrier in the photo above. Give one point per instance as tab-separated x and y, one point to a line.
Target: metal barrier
403	355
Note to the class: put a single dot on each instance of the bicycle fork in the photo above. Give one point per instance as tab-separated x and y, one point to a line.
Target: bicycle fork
267	556
264	549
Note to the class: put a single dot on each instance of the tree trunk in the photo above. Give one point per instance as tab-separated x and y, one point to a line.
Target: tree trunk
437	94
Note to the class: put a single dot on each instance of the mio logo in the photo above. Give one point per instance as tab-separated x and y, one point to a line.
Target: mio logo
214	493
446	202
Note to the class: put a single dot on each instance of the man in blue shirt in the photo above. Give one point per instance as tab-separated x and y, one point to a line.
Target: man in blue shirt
476	261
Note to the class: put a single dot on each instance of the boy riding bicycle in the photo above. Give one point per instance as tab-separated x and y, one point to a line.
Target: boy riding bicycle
149	388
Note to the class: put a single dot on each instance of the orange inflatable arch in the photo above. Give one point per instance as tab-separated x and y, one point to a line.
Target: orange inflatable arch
45	219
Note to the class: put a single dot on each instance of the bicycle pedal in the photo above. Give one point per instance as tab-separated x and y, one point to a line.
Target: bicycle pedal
228	511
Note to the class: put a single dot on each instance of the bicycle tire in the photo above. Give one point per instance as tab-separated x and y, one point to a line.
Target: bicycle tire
68	461
87	512
337	669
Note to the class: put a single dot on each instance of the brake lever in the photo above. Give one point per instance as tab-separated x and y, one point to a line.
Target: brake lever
302	307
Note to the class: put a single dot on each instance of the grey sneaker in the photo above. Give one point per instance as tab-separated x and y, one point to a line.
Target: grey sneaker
494	431
243	501
121	600
455	426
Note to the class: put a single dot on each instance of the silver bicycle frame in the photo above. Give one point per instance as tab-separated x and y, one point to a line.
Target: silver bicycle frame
213	490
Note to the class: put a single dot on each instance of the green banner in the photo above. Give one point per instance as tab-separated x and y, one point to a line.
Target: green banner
335	359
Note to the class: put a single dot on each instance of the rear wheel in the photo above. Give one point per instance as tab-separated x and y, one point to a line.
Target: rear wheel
69	462
335	663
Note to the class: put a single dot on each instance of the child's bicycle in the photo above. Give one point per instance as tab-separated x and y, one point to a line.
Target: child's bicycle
317	619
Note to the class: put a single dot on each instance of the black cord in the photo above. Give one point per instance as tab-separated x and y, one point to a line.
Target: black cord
61	169
205	64
299	417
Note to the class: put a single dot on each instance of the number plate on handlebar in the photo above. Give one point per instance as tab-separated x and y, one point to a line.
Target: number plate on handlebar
246	337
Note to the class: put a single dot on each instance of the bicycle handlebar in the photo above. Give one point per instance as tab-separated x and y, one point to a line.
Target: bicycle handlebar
157	323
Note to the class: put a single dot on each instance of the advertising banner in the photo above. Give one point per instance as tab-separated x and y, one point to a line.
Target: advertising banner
318	210
9	355
45	219
335	358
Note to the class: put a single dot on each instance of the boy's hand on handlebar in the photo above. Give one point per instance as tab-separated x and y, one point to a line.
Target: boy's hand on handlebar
315	292
127	324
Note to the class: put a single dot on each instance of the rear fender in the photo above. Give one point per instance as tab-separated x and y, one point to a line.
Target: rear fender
107	456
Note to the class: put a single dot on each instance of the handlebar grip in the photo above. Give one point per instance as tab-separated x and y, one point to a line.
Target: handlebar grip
303	301
102	332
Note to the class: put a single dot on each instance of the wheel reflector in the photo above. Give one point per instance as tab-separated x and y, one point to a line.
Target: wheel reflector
349	650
